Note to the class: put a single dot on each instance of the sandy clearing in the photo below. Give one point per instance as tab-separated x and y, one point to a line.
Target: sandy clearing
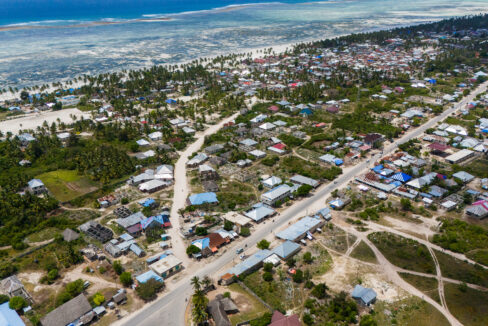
33	120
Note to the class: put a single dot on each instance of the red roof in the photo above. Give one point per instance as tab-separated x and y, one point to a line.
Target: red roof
438	147
320	125
279	319
279	146
274	108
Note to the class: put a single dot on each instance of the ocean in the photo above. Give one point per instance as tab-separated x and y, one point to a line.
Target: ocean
43	41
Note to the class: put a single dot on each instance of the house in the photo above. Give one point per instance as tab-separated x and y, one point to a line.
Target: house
257	153
276	194
278	319
299	230
131	220
120	297
301	180
142	142
167	266
36	187
210	186
257	214
250	264
364	296
153	185
373	139
213	149
146	154
197	160
478	210
203	198
465	177
286	250
96	231
13	287
9	317
210	244
237	219
460	156
144	277
69	312
157	135
164	172
271	182
207	172
219	308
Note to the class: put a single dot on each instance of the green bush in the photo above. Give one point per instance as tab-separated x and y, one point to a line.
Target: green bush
126	279
17	303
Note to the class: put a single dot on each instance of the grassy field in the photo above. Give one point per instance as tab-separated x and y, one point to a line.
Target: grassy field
478	168
363	252
479	255
427	285
43	235
408	312
403	252
462	271
469	307
279	294
250	308
66	185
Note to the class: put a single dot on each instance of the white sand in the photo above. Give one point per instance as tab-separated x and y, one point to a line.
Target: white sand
33	120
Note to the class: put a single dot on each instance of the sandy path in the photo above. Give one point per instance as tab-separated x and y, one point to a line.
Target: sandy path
181	190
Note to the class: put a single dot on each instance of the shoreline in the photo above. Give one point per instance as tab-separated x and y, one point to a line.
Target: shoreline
255	53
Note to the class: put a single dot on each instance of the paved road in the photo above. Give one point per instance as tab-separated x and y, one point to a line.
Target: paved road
169	309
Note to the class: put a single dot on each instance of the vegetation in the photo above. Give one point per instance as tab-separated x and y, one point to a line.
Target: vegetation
427	285
364	253
126	279
17	303
403	252
470	307
199	303
462	271
148	291
263	244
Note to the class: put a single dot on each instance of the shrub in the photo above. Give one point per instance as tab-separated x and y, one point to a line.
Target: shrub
117	266
245	231
17	303
4	298
228	225
192	249
263	244
147	291
126	279
308	258
267	276
268	267
298	276
98	299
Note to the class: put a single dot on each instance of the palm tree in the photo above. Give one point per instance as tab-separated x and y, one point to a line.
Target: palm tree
206	282
195	282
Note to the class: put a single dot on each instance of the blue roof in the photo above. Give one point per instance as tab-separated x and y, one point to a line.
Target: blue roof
250	262
338	161
148	202
299	228
286	249
306	111
201	243
143	278
366	295
9	317
203	198
170	101
378	168
402	177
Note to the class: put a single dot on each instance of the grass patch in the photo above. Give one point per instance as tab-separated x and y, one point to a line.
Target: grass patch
322	261
460	270
470	307
408	312
66	185
403	252
249	307
478	168
335	238
479	255
427	285
363	252
43	235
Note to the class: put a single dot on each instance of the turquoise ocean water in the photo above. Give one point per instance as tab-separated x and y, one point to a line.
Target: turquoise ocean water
45	41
